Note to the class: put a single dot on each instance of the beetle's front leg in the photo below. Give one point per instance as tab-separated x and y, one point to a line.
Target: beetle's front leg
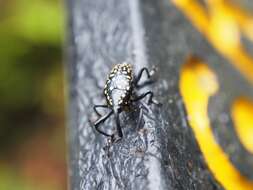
140	119
101	120
99	106
117	136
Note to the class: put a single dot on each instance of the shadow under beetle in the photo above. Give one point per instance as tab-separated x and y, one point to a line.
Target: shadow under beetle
118	91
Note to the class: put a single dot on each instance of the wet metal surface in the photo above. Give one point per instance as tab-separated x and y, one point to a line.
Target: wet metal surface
162	154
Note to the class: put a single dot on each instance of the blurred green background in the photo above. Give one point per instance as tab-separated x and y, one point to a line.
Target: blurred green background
32	130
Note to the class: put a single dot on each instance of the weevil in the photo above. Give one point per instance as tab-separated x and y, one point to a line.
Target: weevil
119	95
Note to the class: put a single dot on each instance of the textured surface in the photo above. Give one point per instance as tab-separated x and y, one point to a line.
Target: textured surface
162	153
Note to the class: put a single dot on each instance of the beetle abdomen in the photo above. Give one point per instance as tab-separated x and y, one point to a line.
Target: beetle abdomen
119	85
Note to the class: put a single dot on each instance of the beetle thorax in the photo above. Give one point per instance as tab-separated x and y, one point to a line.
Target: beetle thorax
119	85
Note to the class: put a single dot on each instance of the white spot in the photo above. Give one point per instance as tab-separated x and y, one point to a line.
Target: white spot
120	82
154	174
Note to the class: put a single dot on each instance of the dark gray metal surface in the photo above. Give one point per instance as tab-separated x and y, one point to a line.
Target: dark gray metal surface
163	153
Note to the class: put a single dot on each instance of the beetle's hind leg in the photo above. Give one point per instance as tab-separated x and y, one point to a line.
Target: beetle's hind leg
101	120
139	75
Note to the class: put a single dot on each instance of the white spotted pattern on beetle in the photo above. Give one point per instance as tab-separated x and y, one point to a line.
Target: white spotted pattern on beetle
119	84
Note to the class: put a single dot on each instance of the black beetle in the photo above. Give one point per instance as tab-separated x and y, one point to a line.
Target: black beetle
119	95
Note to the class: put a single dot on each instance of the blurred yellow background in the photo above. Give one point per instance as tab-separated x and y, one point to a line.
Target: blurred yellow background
227	25
32	132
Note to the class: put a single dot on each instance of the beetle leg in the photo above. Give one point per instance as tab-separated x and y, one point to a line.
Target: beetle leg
101	120
119	130
140	118
99	106
150	99
139	75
